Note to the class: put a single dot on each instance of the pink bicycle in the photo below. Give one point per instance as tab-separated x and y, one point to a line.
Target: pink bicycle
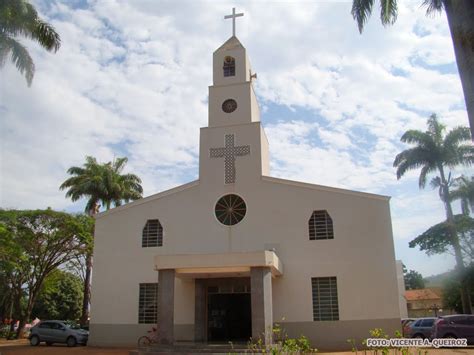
146	340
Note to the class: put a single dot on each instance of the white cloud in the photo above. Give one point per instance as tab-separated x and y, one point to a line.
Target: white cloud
297	157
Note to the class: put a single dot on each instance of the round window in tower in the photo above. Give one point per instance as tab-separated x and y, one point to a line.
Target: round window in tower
229	106
230	209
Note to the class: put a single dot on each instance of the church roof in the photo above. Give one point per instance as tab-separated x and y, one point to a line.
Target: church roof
324	188
264	178
232	43
149	198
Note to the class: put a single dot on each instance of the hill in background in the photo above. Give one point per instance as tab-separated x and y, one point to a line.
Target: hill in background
438	280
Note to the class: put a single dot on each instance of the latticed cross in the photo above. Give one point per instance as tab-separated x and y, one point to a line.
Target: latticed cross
229	152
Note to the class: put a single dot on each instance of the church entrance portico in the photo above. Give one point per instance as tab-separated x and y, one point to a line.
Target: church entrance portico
233	299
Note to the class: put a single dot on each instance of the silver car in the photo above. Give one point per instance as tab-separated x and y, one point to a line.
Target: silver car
420	328
55	331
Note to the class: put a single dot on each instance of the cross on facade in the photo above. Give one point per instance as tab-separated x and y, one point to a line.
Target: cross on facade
233	16
229	152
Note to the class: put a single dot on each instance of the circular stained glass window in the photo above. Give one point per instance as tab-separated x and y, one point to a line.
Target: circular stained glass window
229	106
230	209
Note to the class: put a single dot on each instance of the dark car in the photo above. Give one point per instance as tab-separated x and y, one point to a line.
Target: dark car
455	326
420	328
54	331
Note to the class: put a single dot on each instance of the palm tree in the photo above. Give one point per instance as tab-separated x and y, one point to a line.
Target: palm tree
121	188
460	15
100	183
433	151
465	193
19	18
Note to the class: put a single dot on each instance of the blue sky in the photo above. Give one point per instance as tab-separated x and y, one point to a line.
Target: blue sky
131	80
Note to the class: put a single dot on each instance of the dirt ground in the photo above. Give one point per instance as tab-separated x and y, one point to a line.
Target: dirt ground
20	347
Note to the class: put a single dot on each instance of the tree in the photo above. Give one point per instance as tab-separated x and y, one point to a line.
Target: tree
434	151
465	192
413	280
437	239
60	297
6	301
451	294
100	183
19	18
121	188
33	245
459	14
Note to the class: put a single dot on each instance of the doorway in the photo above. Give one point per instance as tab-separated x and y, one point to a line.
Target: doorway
229	316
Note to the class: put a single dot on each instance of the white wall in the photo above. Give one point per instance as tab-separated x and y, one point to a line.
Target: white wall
361	255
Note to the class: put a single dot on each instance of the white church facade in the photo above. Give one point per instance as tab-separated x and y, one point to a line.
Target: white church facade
225	257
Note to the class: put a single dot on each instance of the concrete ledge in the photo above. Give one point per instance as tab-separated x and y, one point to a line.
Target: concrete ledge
195	264
194	348
128	334
325	336
333	335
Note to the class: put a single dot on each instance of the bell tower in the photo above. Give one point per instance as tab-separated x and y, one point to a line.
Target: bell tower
233	148
232	98
230	63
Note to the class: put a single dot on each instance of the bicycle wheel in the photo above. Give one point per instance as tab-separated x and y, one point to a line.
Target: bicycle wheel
144	341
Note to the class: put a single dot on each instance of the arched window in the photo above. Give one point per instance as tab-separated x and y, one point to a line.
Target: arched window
229	66
152	235
320	226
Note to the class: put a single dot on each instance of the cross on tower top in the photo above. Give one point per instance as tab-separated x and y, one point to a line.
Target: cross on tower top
233	16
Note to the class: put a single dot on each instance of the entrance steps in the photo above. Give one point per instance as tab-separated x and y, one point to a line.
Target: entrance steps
195	348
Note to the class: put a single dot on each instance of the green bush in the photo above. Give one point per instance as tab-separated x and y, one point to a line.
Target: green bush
282	344
4	331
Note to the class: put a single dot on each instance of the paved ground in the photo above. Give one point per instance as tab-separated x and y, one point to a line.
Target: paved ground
20	347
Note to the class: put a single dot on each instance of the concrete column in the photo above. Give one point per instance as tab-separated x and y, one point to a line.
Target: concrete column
166	306
262	309
200	309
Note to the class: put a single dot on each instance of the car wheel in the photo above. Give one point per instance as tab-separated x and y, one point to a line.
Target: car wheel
71	342
34	340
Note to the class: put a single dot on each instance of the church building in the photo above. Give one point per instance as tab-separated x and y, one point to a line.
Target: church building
225	257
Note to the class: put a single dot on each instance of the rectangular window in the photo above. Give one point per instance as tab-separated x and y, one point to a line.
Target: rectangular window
325	304
148	303
229	66
229	70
